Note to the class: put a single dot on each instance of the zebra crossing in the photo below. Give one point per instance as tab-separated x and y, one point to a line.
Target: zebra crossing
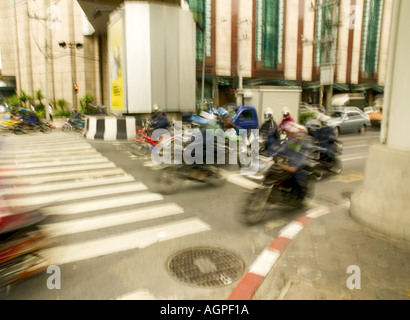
83	192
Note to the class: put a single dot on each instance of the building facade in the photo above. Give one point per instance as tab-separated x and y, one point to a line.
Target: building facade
341	45
323	46
50	46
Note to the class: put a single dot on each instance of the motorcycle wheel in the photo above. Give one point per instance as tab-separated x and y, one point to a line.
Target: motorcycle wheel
258	206
66	127
45	129
215	179
18	130
169	183
337	166
139	148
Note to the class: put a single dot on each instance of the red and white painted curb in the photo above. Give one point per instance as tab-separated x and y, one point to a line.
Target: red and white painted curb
248	285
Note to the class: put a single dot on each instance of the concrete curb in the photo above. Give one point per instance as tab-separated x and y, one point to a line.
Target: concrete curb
250	283
110	128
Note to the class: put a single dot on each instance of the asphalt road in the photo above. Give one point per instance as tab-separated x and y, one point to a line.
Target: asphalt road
116	237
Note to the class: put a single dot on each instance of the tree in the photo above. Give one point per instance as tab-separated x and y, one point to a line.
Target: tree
39	96
23	97
86	106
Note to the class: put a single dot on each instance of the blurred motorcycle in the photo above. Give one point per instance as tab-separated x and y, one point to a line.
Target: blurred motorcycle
21	241
279	187
77	125
173	177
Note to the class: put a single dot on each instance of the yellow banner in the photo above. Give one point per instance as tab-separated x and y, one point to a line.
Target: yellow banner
116	64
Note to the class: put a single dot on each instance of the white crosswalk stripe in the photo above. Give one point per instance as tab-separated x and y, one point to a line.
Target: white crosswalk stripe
109	220
130	240
30	189
83	192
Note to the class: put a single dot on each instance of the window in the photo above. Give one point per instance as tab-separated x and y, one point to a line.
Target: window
246	115
324	32
269	32
373	10
354	116
202	12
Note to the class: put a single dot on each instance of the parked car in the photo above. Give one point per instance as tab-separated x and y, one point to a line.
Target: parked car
375	114
245	117
348	119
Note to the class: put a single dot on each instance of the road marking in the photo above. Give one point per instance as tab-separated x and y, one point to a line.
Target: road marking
49	187
343	139
54	197
131	240
28	172
100	204
348	178
110	220
54	163
357	146
80	176
78	158
355	158
239	180
138	295
35	155
25	150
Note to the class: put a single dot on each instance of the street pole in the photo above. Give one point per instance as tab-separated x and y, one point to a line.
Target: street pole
73	69
203	66
46	3
330	48
240	78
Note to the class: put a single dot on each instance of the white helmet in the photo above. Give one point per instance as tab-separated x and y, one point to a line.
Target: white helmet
286	111
268	112
155	107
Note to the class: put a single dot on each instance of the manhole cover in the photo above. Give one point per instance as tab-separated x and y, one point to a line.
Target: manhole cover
206	267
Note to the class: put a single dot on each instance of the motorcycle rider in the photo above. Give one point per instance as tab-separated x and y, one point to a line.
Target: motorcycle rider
159	118
287	117
324	135
294	153
204	122
269	131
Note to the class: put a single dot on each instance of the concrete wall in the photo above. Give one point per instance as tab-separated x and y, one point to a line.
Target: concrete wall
382	202
160	57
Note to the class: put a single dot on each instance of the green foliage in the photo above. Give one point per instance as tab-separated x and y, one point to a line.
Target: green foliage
41	113
86	106
23	97
39	109
304	117
39	96
62	104
14	103
62	113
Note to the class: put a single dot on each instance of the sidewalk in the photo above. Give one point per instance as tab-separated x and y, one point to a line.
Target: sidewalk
310	259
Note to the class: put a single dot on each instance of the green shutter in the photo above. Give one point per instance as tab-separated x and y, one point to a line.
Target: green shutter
269	32
371	37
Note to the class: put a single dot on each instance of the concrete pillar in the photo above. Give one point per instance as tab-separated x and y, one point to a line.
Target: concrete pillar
383	201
